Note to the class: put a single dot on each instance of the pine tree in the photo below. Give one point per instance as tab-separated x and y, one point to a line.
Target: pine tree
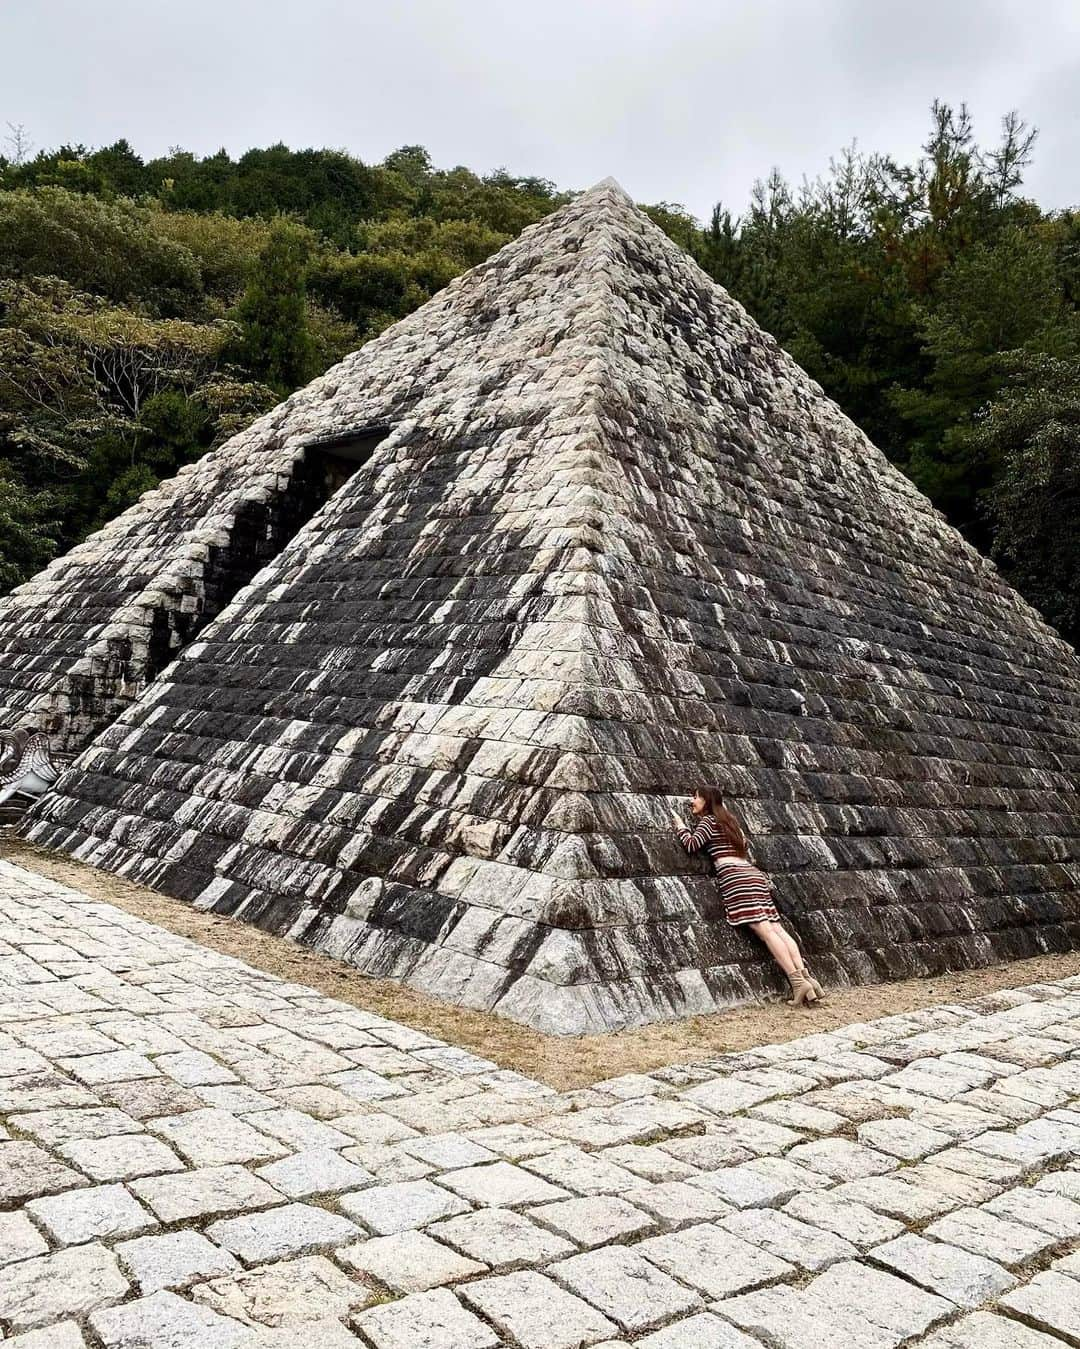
274	343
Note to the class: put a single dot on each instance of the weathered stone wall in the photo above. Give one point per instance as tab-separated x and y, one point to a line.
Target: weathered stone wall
617	542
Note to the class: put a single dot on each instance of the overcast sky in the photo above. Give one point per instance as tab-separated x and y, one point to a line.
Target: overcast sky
682	100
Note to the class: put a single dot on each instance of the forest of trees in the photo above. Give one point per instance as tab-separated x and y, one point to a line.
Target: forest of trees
149	309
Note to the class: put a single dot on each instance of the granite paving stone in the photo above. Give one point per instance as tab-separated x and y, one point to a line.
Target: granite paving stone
996	1238
67	1283
632	1291
501	1185
173	1260
204	1192
433	1320
677	1202
985	1330
211	1137
582	1173
120	1157
840	1159
1050	1302
859	1305
713	1260
744	1188
122	1065
702	1331
536	1312
95	1212
193	1068
292	1229
501	1239
408	1262
1066	1183
19	1239
594	1221
60	1335
166	1320
396	1208
288	1293
314	1171
784	1236
967	1279
447	1152
901	1138
1048	1212
27	1170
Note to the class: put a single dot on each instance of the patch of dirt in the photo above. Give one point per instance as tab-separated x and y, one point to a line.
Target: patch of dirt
562	1062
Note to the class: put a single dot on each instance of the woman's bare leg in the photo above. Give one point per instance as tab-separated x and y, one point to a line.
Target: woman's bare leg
794	950
778	944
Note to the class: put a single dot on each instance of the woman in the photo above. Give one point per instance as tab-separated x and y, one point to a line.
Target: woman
746	891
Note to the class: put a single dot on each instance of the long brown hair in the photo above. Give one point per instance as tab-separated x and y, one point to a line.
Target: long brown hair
731	831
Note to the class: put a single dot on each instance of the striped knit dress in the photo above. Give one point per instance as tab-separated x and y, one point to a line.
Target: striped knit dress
746	891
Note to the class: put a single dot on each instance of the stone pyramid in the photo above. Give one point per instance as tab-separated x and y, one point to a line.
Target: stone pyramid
594	538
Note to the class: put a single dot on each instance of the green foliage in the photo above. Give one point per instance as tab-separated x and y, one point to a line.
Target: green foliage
1001	295
29	529
1033	433
274	342
98	246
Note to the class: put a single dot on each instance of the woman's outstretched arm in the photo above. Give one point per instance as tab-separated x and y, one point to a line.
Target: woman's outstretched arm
693	840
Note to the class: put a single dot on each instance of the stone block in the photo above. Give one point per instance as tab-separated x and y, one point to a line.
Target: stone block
68	1283
204	1193
697	1332
19	1239
984	1330
165	1319
995	1238
536	1312
1050	1302
89	1214
60	1126
408	1262
289	1293
594	1221
173	1260
787	1238
385	1209
501	1239
1047	1212
60	1335
860	1305
292	1229
581	1173
215	1138
626	1288
501	1185
433	1320
963	1277
713	1260
27	1171
121	1157
314	1171
840	1159
676	1202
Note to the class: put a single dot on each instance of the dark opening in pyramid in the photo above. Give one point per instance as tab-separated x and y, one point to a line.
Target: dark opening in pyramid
483	599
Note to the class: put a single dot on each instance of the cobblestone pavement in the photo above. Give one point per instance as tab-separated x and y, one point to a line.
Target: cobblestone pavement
194	1153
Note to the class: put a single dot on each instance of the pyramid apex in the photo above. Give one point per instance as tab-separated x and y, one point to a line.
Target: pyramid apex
609	184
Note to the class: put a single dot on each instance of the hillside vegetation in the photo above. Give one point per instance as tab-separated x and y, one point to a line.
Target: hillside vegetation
149	309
